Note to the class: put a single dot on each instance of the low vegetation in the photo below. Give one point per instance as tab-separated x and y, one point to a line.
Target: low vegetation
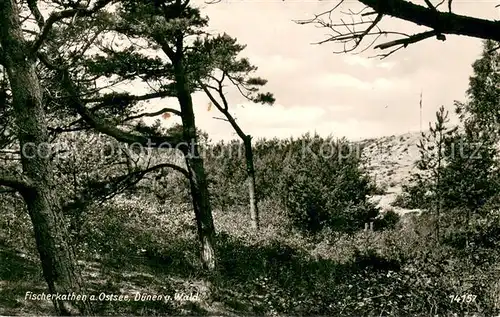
144	241
270	227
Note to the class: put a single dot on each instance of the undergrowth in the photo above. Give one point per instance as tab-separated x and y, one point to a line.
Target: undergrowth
277	271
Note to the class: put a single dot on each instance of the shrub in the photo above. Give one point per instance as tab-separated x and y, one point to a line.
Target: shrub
416	195
388	220
481	231
327	190
318	180
381	189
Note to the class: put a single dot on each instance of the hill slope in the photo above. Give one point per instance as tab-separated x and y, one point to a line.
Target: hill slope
390	161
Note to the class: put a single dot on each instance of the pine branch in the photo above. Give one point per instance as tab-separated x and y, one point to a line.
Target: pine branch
17	182
59	16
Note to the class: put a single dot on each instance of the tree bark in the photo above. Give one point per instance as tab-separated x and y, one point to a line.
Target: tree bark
254	211
197	175
247	142
203	213
50	230
443	22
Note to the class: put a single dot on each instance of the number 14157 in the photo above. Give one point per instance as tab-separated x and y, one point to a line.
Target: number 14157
466	298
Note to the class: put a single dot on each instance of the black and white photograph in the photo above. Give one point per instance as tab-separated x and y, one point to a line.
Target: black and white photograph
250	158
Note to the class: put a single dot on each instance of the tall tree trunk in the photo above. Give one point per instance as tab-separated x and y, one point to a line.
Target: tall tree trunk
50	229
197	176
203	213
254	212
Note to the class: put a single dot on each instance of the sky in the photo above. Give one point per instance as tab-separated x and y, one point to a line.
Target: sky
316	90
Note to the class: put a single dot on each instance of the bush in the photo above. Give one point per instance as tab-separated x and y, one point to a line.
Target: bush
416	195
318	180
388	221
327	190
482	231
379	190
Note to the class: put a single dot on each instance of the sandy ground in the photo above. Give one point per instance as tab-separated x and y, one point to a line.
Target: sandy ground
390	161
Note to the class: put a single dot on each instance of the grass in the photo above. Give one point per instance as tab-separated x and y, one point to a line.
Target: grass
18	275
274	272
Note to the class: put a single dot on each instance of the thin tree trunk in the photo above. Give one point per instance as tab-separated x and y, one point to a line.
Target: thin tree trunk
50	229
247	142
467	238
254	211
197	175
438	187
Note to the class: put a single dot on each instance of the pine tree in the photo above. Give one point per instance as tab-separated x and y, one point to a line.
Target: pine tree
432	148
482	110
220	54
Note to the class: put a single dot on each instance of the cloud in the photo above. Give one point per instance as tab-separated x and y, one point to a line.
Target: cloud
276	63
350	59
285	121
387	65
343	94
279	115
267	121
341	80
358	60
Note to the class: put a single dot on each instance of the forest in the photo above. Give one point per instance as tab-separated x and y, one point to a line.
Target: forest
107	210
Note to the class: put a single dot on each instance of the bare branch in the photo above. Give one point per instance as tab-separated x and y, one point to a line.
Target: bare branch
440	23
223	108
211	97
238	86
410	40
385	55
176	168
494	49
153	114
33	6
377	20
220	91
444	22
430	5
222	119
107	190
440	3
